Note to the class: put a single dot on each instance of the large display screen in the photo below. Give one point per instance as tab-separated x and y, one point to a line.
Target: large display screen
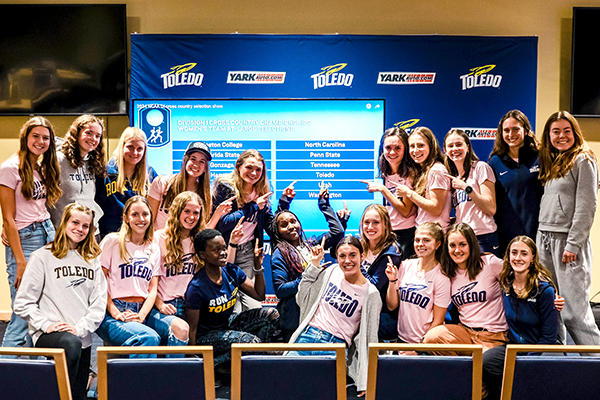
330	141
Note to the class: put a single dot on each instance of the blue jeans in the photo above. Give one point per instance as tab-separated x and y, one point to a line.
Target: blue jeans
119	333
161	323
32	238
311	334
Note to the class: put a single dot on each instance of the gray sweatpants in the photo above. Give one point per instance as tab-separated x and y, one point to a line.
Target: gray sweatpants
573	282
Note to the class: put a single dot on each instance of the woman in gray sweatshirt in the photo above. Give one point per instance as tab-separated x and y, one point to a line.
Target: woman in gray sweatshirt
569	173
63	294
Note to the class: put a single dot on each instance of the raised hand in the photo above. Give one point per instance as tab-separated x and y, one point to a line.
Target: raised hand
263	200
374	186
289	191
224	207
258	254
391	271
237	233
317	253
323	190
344	213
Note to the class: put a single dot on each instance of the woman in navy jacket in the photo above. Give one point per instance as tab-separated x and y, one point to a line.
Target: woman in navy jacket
529	306
292	254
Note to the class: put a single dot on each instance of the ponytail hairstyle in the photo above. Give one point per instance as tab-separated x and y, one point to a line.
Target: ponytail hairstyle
235	180
388	237
535	274
556	164
87	248
435	155
351	241
173	229
139	180
125	231
178	184
48	168
470	159
435	230
70	148
293	261
474	261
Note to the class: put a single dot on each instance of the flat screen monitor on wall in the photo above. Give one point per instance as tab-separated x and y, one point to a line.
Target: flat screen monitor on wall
313	142
585	79
63	59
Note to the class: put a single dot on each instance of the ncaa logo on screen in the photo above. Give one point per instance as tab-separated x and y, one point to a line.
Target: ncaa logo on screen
479	77
155	124
479	133
179	76
330	76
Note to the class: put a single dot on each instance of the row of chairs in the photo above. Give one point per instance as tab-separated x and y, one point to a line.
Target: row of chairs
274	377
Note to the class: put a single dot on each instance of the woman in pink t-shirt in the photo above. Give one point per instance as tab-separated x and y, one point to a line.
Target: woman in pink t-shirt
177	264
431	185
475	292
473	189
29	181
130	261
419	289
193	176
395	168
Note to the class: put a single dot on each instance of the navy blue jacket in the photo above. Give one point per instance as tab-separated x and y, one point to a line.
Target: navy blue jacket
518	195
286	287
111	200
250	211
377	271
533	320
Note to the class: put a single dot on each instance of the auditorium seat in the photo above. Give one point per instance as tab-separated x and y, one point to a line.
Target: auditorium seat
424	377
282	377
27	379
551	377
156	378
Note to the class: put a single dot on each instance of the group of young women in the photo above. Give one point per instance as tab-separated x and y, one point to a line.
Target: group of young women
199	278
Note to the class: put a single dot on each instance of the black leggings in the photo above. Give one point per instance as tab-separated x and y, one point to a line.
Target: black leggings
78	359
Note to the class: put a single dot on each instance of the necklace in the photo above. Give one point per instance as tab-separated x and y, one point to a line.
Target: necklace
518	291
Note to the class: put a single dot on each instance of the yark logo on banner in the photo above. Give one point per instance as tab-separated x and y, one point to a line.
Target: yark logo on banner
406	125
479	77
179	76
329	76
405	78
155	123
255	77
479	133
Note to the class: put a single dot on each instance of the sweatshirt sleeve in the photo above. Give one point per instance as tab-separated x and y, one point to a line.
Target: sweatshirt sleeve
29	293
284	287
97	304
309	288
548	317
586	200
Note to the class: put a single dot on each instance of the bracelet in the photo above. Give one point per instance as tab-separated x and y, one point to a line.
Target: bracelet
234	245
258	271
394	280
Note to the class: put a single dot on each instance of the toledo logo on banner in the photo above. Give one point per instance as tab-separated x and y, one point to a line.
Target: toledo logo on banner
329	76
179	76
406	125
479	77
155	123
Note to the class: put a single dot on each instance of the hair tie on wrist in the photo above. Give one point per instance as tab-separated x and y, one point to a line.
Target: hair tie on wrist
394	280
234	245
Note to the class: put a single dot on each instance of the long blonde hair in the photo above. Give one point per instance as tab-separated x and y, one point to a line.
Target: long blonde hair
556	164
87	248
173	229
139	180
125	230
48	169
388	237
70	148
235	180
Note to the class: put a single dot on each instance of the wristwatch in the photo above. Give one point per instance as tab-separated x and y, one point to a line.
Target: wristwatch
468	190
